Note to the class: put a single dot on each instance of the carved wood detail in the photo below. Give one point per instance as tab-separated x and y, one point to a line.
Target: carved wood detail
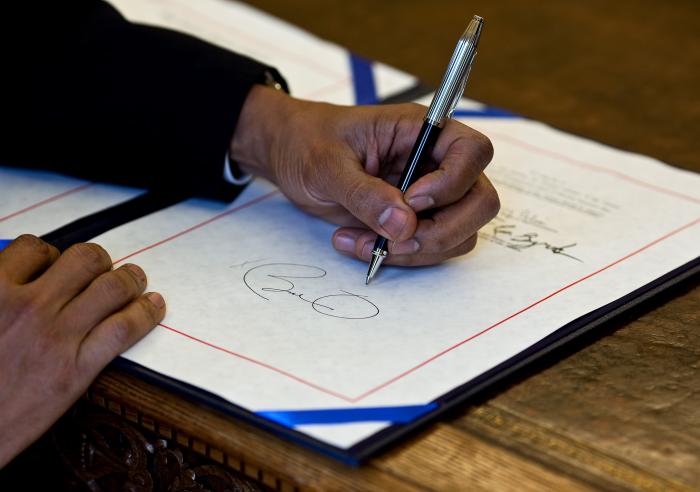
103	452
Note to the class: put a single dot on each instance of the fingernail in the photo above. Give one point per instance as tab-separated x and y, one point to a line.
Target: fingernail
137	272
366	252
420	203
406	247
344	243
393	220
156	299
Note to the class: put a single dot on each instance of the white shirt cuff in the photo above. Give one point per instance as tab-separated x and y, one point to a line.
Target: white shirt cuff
230	178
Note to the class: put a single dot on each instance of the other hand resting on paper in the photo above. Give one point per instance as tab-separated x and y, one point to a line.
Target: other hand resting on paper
332	161
63	319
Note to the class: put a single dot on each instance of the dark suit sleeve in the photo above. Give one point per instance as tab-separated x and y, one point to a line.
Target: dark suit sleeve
87	93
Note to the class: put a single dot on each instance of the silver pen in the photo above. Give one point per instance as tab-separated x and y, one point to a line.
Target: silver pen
441	108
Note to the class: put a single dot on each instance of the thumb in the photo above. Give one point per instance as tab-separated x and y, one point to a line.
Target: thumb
374	202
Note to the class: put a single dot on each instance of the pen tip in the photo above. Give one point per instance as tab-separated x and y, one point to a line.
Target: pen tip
478	18
373	266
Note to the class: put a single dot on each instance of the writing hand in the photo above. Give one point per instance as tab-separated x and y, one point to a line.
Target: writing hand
338	162
63	319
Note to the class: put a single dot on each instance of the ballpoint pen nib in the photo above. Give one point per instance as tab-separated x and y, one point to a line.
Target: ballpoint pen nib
373	266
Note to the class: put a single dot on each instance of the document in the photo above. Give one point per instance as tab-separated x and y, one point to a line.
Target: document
39	202
264	313
314	68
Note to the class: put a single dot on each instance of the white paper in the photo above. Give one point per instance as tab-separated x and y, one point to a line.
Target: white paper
39	202
581	226
315	69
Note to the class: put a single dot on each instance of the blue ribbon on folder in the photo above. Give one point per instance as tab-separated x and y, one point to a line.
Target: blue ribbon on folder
363	80
486	112
395	415
4	242
365	89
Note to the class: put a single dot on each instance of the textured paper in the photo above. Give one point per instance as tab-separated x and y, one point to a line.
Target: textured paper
581	225
38	202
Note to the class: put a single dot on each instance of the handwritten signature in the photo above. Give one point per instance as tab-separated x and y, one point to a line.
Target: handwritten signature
526	217
528	240
277	278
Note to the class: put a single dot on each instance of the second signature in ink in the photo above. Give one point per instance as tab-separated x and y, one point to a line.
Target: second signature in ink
272	279
505	234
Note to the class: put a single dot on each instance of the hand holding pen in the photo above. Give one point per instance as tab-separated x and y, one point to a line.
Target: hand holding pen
441	108
343	163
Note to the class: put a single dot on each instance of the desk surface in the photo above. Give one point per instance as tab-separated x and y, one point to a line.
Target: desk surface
620	410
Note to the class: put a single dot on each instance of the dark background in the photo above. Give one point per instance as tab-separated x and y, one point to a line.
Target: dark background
626	73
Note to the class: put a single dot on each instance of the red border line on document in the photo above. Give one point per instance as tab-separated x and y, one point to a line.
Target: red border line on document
47	200
499	323
201	224
262	364
375	389
593	167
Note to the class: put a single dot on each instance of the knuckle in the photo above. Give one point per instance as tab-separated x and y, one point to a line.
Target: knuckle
492	203
402	116
445	243
26	309
33	243
120	331
468	245
462	249
465	247
407	260
415	110
484	148
150	311
118	285
91	256
134	272
357	198
441	242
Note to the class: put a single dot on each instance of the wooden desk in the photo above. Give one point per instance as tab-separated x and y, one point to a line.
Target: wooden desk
623	412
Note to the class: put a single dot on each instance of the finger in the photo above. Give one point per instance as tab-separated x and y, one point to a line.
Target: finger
363	243
440	237
73	271
26	258
333	213
425	259
359	243
463	153
351	240
108	293
120	331
451	225
373	201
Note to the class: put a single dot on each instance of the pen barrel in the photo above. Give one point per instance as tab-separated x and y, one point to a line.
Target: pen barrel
381	244
415	167
420	155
